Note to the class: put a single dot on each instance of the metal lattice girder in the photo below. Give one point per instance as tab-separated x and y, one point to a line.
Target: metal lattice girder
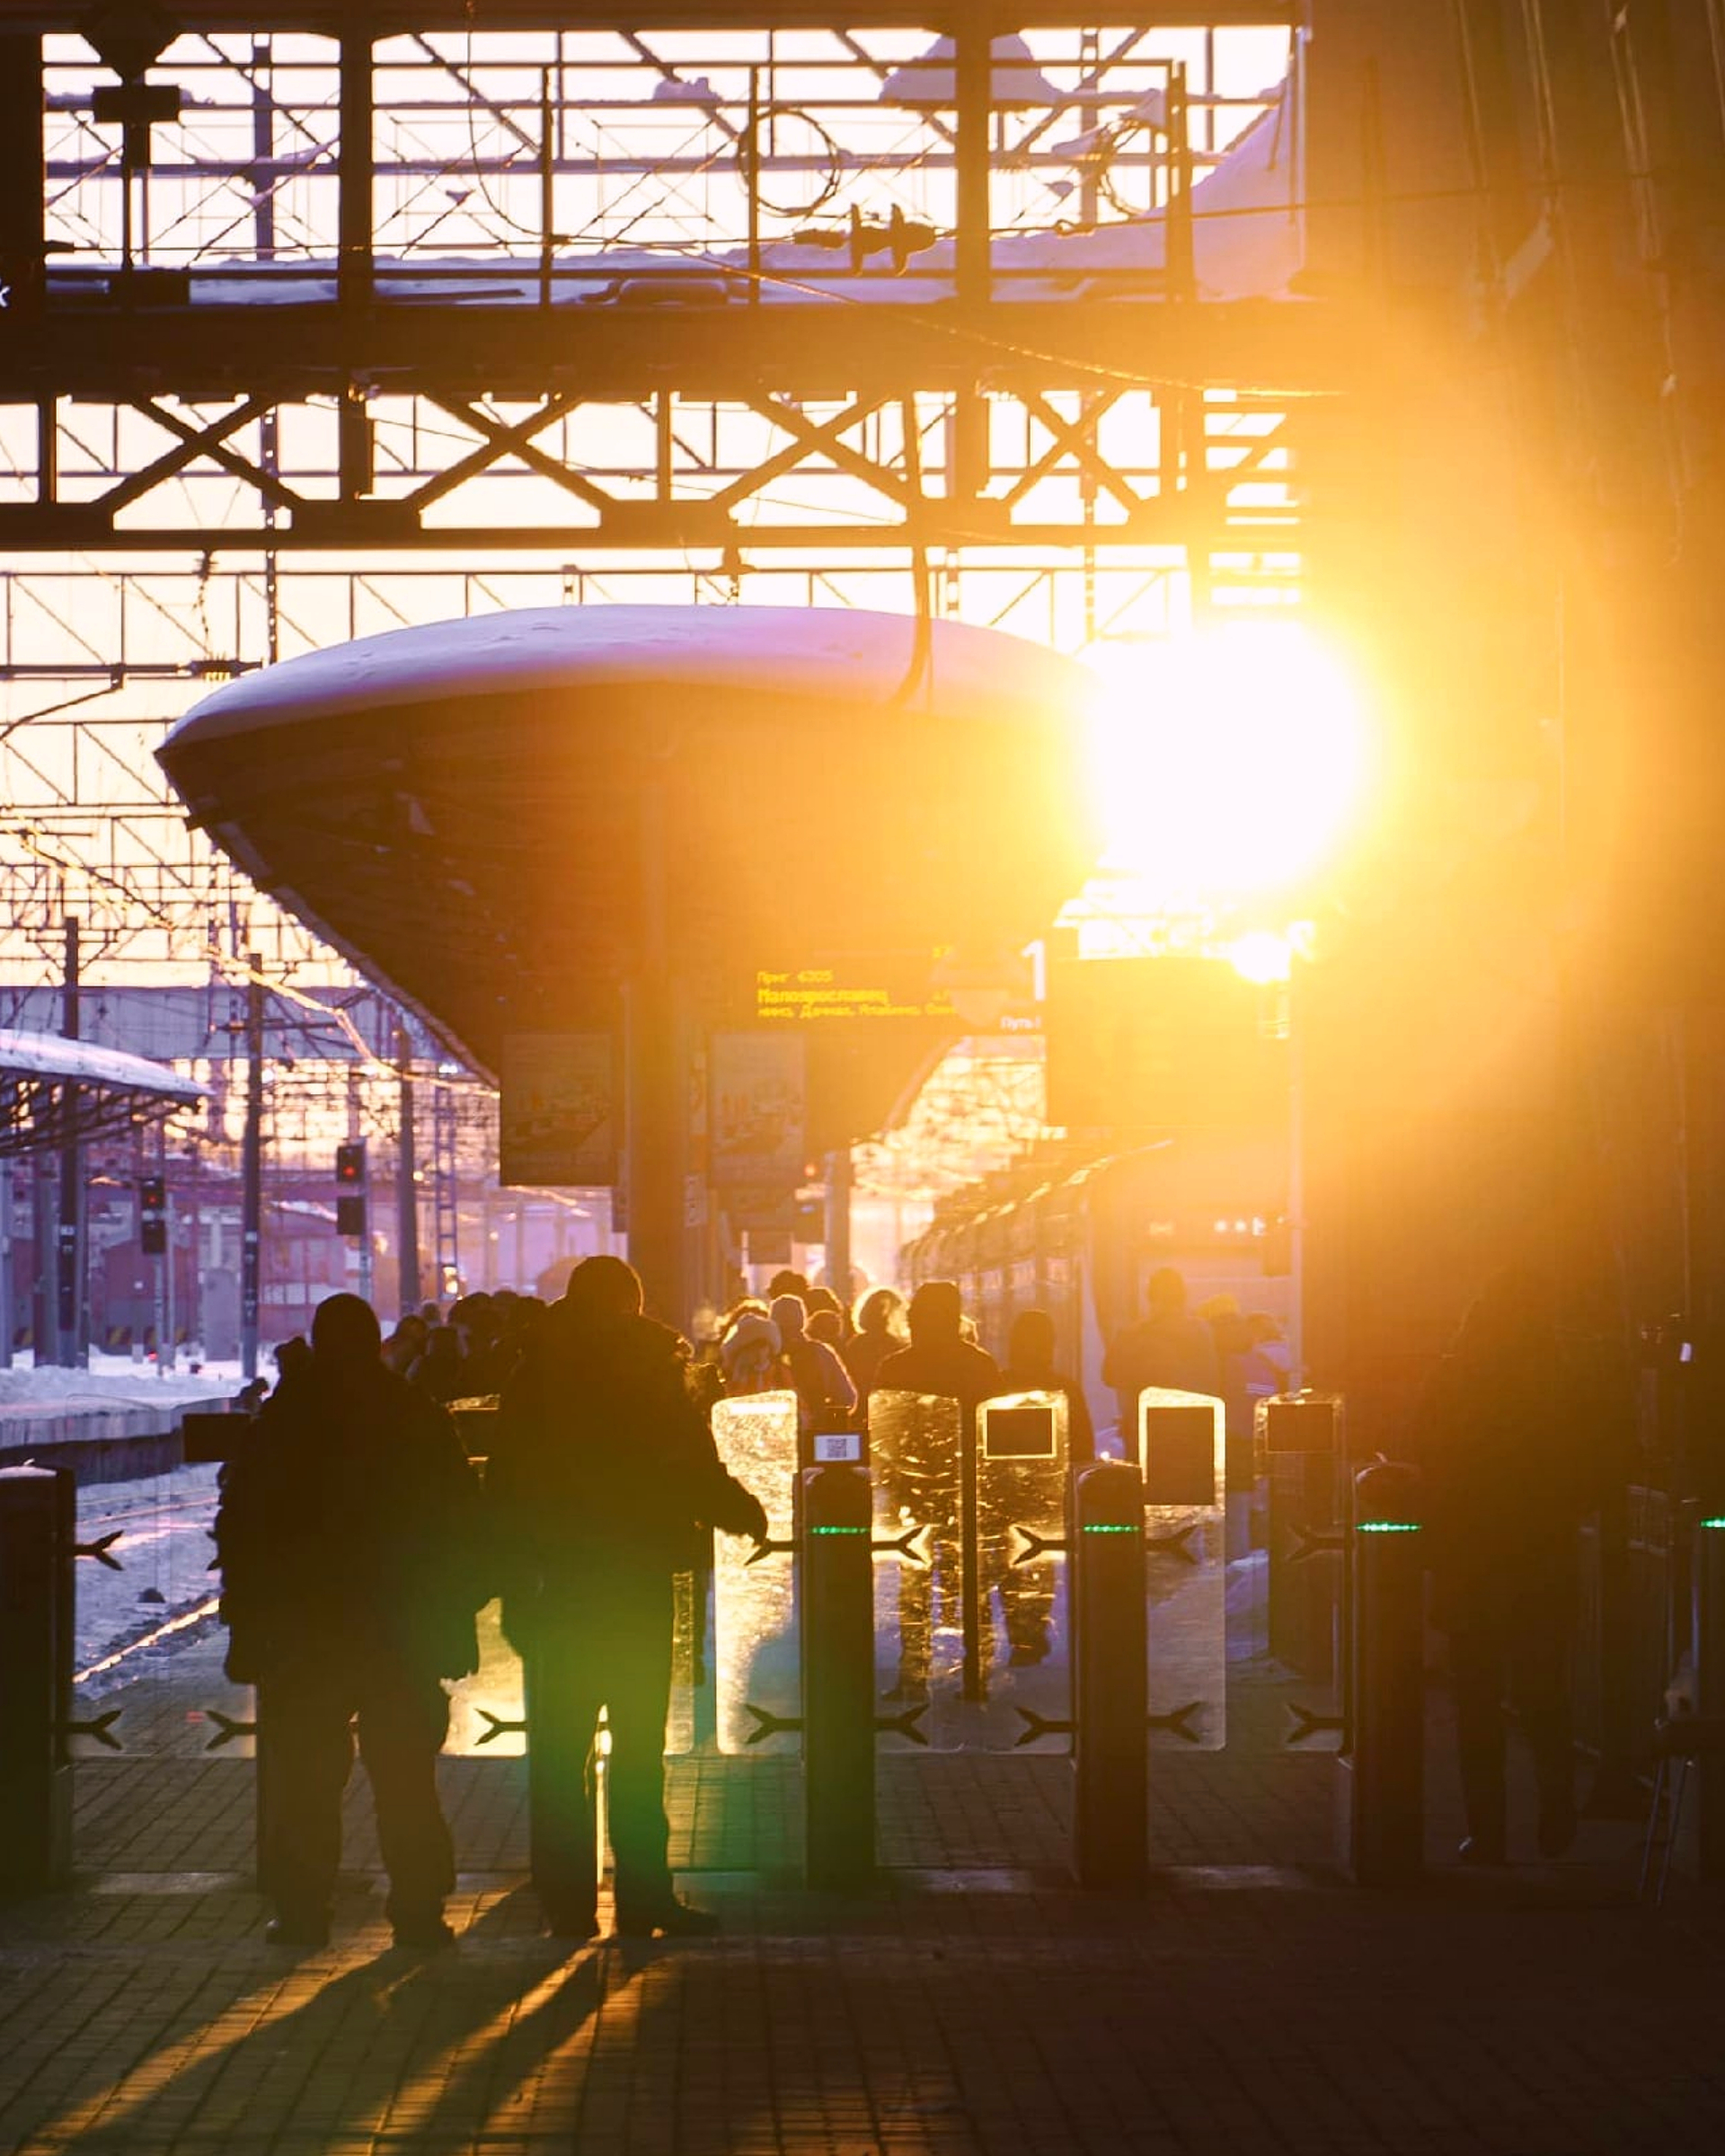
872	469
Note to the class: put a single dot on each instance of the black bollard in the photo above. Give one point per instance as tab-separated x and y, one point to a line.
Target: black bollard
835	1596
1381	1768
38	1540
1110	1685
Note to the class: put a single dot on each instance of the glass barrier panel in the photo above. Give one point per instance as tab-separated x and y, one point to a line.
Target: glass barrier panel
915	1445
1182	1451
1022	1461
756	1661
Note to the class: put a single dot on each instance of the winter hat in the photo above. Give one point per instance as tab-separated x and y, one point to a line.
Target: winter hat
748	1337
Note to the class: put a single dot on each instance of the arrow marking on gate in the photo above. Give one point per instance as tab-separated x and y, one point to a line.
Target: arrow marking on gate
99	1550
1175	1545
98	1726
228	1728
1308	1722
767	1723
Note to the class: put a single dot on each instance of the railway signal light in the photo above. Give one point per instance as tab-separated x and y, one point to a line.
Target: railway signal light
152	1216
351	1188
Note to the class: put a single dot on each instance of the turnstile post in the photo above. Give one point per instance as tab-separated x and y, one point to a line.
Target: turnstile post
38	1543
836	1592
1110	1701
1381	1768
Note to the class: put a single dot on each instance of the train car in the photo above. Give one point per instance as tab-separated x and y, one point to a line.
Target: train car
1083	1245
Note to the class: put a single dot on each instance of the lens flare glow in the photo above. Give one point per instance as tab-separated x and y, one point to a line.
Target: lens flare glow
1229	765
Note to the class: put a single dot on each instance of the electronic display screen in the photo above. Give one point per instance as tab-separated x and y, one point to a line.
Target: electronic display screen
1018	1433
1180	1455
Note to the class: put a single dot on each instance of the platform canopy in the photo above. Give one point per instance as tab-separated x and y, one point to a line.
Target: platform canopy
55	1092
484	814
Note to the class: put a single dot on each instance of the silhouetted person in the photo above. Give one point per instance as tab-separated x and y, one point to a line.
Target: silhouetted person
1508	1477
750	1351
827	1327
822	1382
349	1544
293	1358
438	1370
938	1361
1168	1346
1030	1368
939	1358
879	1332
404	1346
603	1474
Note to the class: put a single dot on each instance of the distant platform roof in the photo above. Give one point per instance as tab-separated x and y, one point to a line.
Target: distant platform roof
55	1092
472	811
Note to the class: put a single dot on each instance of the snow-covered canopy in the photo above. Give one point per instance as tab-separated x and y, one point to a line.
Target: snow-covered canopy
463	809
55	1092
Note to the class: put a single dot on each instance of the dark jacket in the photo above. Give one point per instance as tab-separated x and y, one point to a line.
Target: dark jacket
1178	1352
602	1464
349	1526
951	1368
1509	1440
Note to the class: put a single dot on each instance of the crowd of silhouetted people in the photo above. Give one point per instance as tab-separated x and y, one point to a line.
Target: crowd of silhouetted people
357	1545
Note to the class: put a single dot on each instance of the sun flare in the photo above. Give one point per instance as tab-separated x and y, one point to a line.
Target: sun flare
1230	765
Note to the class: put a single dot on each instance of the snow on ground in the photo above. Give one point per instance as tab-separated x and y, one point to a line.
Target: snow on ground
111	1381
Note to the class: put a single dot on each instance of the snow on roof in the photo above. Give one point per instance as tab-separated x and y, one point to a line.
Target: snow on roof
79	1063
1017	80
1248	242
838	657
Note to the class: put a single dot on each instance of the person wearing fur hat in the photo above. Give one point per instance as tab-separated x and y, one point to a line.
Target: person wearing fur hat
750	1352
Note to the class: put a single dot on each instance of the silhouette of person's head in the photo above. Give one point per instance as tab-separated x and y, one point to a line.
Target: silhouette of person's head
787	1282
604	1288
790	1314
1165	1293
935	1312
293	1357
1029	1344
877	1309
345	1332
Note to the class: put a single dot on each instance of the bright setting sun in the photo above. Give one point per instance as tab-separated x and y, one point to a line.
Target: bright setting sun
1229	765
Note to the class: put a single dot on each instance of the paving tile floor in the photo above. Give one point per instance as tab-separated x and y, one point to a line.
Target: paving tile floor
973	2001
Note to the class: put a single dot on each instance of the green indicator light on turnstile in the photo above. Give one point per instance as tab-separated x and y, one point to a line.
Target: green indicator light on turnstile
1386	1527
1109	1527
1713	1523
838	1531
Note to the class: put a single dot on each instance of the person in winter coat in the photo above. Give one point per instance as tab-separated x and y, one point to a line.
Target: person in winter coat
879	1332
1510	1466
352	1553
602	1478
1168	1346
750	1352
822	1383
